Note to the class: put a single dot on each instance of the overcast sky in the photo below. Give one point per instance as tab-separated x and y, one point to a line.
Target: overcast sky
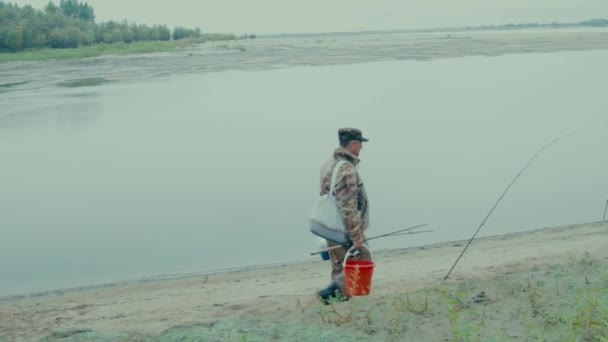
276	16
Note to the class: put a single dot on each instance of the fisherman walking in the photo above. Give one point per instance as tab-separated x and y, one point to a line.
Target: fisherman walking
352	205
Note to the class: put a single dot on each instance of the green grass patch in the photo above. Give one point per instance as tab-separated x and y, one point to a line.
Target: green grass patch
110	49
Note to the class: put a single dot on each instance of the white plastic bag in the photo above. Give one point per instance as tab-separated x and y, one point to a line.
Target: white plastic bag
325	213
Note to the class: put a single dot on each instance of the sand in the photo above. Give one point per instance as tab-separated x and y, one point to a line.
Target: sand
278	53
149	307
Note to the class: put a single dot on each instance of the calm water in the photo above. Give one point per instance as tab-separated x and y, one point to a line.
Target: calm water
216	170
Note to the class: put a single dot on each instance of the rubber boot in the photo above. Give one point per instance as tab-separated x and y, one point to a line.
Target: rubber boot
332	293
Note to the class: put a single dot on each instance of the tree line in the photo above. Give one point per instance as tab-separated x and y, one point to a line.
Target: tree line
511	26
71	24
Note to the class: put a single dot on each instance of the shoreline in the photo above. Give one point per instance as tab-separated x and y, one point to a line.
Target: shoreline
264	54
260	267
102	50
154	307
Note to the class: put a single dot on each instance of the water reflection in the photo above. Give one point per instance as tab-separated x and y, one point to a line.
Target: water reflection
83	82
61	111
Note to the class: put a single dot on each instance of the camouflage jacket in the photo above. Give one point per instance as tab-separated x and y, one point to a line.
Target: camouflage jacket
351	197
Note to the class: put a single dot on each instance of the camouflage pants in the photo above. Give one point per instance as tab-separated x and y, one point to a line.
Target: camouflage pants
336	257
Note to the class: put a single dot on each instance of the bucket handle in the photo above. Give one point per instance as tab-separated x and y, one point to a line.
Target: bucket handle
349	253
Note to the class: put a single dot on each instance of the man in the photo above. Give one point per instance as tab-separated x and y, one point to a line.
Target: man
352	203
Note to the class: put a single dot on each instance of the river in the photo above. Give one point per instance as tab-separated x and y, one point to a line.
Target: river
210	170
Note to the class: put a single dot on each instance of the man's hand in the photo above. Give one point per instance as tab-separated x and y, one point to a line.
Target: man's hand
357	244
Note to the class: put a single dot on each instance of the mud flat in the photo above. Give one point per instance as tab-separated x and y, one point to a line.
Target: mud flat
275	53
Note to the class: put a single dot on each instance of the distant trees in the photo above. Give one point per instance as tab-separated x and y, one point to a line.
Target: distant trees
75	9
72	24
181	33
115	32
595	23
511	26
66	37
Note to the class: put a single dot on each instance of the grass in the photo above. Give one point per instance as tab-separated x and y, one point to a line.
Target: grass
547	302
109	49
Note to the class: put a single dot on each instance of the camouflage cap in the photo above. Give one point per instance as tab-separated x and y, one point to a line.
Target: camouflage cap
350	134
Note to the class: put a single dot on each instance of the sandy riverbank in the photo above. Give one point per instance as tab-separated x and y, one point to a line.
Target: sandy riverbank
279	53
142	310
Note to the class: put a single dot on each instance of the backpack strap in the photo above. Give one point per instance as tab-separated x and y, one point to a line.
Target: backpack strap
334	176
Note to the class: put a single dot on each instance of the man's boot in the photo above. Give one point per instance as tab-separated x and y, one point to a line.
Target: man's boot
332	293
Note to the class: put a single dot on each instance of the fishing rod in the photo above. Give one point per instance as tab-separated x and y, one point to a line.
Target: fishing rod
400	232
406	231
500	198
409	233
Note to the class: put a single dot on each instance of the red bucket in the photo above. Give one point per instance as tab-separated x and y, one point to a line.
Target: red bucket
358	277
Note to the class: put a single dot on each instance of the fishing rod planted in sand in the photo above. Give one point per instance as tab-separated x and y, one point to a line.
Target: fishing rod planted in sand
500	198
406	231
